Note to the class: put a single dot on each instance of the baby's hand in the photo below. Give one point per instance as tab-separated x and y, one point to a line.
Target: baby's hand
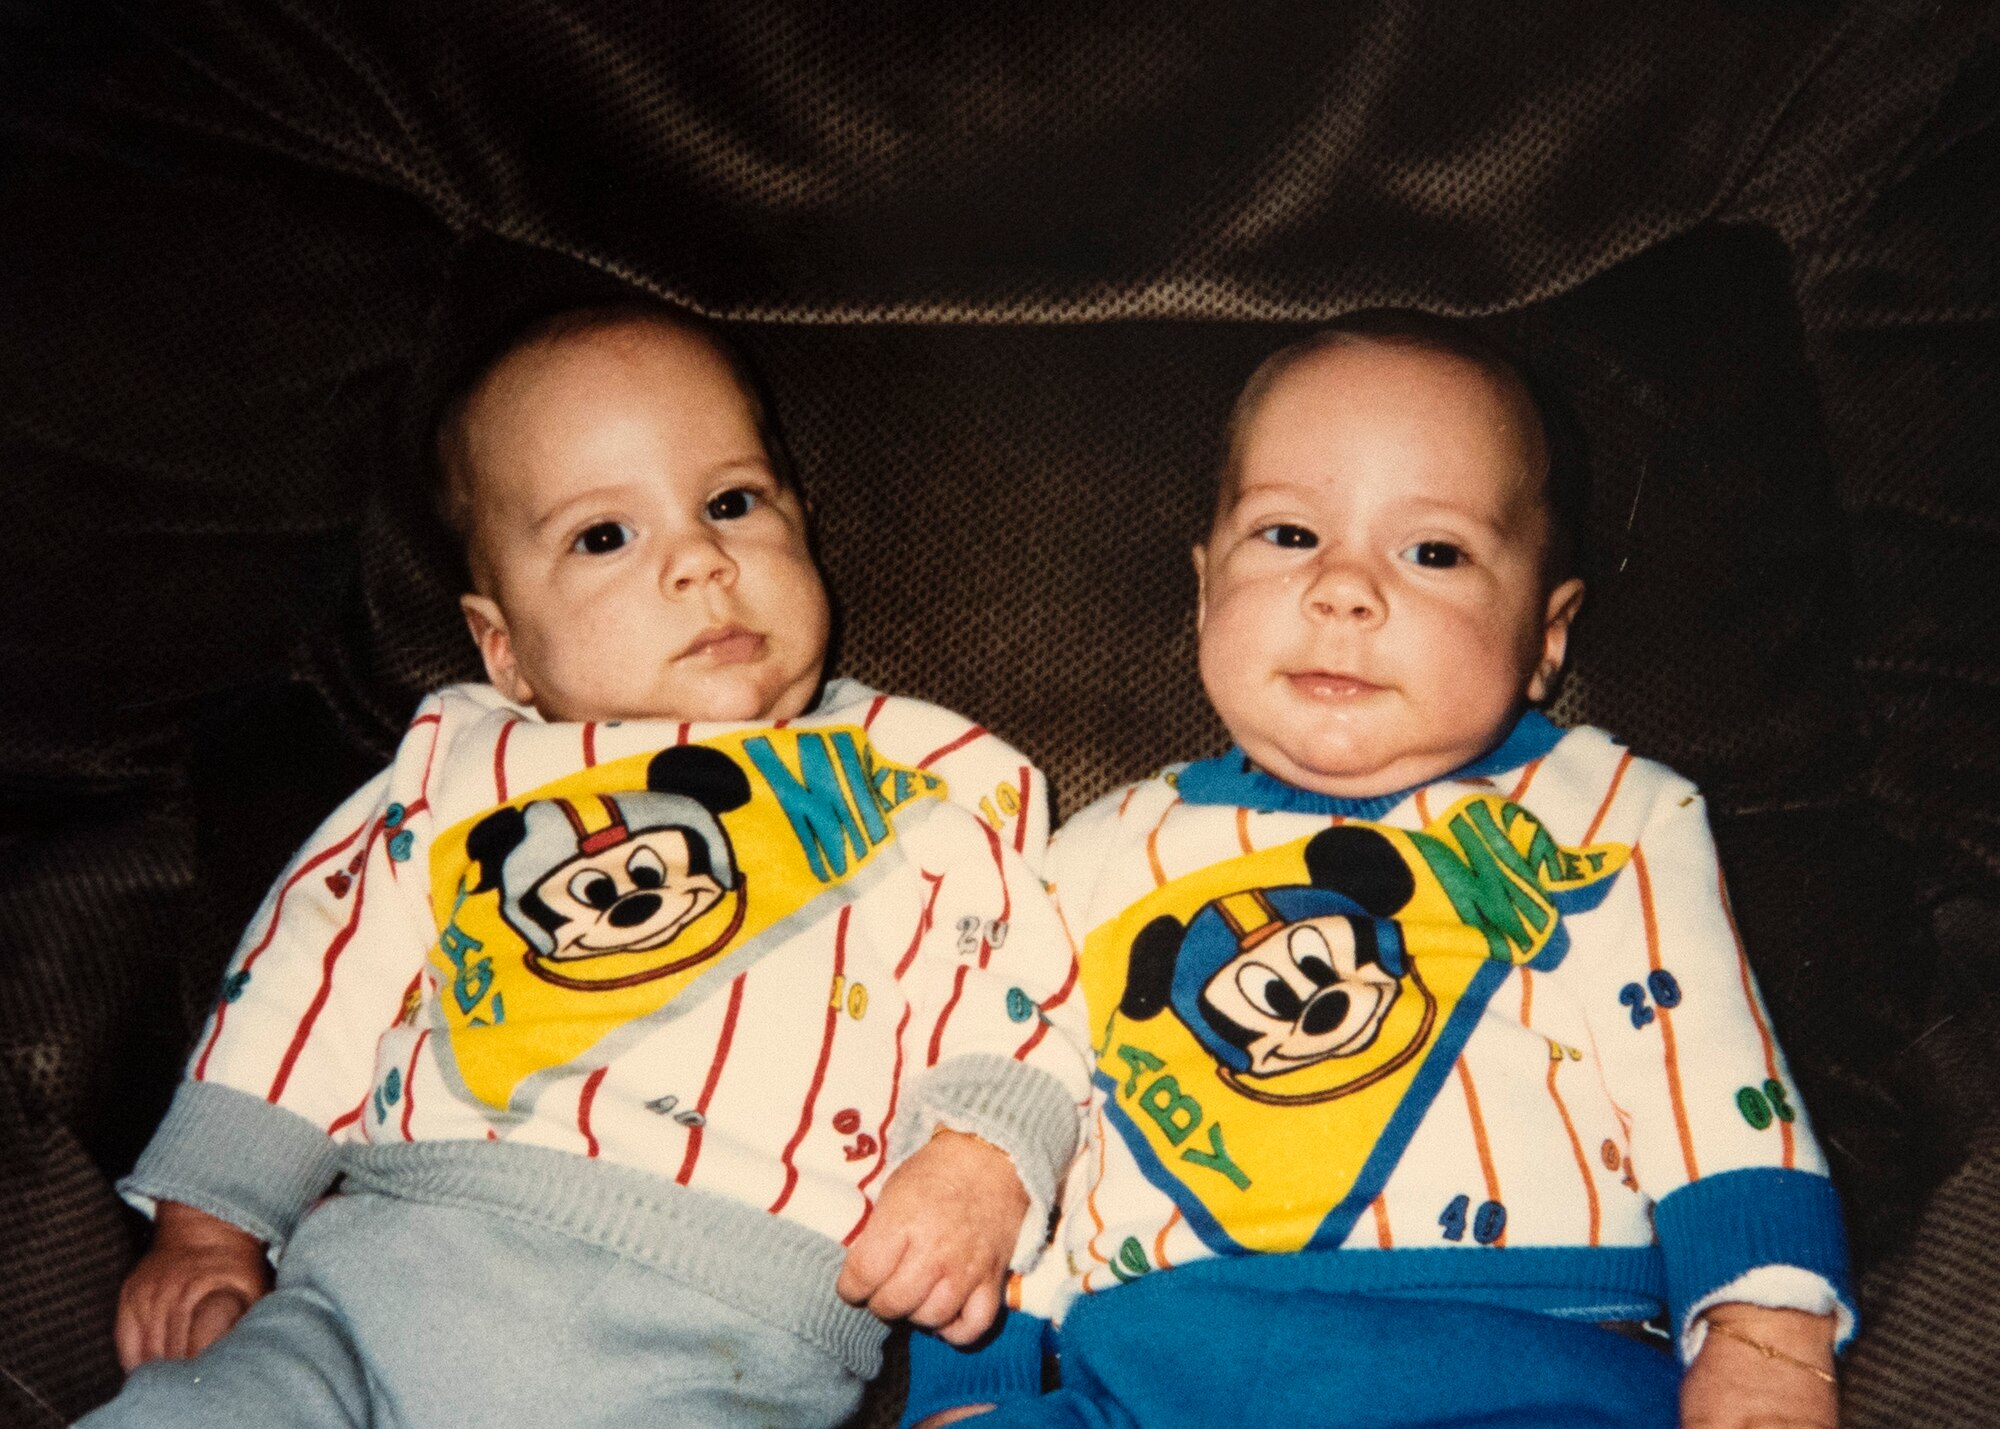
936	1248
1732	1385
196	1281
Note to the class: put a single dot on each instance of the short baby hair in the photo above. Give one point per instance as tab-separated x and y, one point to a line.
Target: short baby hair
1566	481
453	486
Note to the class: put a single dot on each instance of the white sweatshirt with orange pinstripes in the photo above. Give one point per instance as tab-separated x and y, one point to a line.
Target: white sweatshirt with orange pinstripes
1494	1037
688	990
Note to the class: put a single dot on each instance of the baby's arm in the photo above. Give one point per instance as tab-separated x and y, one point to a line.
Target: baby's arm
949	1384
1748	1223
993	1118
1735	1384
284	1061
200	1276
937	1247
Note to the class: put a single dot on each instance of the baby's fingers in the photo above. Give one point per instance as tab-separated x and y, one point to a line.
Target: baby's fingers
146	1323
941	1306
974	1318
871	1260
130	1334
212	1317
907	1291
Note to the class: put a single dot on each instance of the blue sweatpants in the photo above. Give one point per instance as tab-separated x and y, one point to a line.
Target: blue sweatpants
1161	1353
402	1315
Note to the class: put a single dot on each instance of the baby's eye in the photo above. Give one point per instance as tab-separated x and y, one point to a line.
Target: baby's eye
732	505
1293	538
604	537
1439	555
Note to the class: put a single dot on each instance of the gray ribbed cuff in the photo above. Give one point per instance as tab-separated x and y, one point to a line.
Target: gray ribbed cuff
764	1265
237	1157
1020	1109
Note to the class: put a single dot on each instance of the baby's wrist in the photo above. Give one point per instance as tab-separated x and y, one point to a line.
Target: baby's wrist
1795	1337
968	1141
182	1225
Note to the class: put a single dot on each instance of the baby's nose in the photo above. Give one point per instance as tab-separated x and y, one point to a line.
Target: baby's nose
1346	590
697	562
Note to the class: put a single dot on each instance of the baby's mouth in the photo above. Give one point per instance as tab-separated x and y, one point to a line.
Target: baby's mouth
726	645
1329	685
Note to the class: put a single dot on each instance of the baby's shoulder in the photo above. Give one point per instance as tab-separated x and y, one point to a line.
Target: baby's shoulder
467	702
922	735
1592	775
968	764
1140	803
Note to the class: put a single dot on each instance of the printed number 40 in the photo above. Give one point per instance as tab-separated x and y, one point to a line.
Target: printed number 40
1489	1223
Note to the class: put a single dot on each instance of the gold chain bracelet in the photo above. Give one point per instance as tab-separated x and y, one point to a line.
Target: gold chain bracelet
1769	1352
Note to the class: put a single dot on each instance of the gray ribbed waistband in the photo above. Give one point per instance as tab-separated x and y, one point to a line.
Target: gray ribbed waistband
775	1269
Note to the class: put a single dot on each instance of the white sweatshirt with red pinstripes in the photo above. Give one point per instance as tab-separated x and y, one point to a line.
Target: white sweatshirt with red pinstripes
688	990
1494	1037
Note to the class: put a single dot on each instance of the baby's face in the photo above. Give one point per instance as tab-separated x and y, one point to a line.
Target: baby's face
637	557
1373	611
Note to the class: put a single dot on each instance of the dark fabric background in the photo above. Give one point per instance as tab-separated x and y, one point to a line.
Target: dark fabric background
1003	270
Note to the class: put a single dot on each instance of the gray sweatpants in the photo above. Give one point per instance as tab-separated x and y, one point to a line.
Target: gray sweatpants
405	1315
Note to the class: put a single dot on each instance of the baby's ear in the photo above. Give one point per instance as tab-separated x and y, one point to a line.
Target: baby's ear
488	625
1149	982
708	776
1560	613
1362	864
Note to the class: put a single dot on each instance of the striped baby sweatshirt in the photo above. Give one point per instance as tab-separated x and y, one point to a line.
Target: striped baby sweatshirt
691	990
1493	1038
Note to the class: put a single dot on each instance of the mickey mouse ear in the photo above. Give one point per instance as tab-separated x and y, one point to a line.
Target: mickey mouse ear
1150	980
708	776
1362	864
491	840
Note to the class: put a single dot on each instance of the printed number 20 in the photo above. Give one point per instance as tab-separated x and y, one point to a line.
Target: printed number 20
1488	1223
1665	989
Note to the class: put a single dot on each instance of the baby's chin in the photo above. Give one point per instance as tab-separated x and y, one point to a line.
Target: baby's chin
1353	774
734	698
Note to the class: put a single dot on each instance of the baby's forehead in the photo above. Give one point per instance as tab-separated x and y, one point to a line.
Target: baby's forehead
548	365
1355	392
552	397
1361	377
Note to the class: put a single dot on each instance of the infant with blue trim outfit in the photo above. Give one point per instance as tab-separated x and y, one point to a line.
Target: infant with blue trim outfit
1429	1063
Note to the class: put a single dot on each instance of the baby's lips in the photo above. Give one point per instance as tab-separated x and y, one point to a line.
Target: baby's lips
726	645
1327	685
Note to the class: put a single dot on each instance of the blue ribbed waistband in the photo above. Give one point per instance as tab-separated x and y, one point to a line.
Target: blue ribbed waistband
775	1269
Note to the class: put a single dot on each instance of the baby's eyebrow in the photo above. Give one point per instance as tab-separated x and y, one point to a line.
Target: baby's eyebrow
757	465
1267	491
1421	506
563	510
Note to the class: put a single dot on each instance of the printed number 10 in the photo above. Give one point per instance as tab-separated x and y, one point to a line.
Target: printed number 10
1009	802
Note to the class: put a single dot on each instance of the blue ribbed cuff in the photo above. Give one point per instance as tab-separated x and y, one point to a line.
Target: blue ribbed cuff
1713	1230
237	1157
1006	1365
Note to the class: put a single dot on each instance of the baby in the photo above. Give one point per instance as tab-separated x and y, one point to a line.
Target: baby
1427	1054
661	1012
